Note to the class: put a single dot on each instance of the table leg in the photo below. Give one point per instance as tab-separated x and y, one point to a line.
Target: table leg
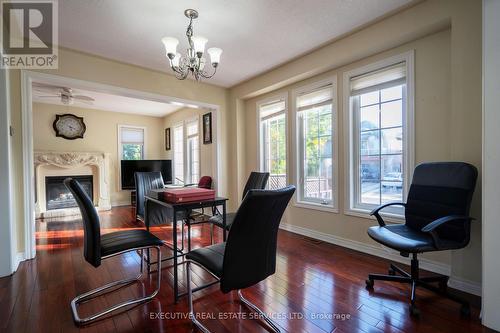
146	222
224	221
174	237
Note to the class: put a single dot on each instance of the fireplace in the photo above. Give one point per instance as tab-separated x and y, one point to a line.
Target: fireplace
57	196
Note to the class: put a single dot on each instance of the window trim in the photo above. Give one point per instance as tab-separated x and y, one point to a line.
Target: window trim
297	201
120	150
408	126
274	98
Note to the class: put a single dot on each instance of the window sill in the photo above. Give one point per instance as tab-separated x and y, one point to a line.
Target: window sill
388	217
320	207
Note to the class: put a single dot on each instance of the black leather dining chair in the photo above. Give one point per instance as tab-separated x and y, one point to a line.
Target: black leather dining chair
256	181
97	247
249	255
144	182
436	219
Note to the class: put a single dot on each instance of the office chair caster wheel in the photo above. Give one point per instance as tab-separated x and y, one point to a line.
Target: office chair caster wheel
414	311
392	272
369	284
465	311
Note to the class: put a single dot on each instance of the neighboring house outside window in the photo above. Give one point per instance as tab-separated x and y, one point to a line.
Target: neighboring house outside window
380	129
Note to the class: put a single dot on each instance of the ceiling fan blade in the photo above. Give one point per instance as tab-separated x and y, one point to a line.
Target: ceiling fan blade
83	98
85	102
52	96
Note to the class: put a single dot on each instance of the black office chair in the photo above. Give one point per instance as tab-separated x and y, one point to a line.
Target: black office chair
256	181
249	255
97	247
436	219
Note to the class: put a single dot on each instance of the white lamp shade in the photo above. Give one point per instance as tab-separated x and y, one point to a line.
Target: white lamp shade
170	44
176	60
214	53
199	43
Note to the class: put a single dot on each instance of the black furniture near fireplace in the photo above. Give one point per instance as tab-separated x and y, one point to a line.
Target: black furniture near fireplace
57	196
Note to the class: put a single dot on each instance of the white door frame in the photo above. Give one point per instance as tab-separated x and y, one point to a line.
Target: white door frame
491	164
27	77
8	236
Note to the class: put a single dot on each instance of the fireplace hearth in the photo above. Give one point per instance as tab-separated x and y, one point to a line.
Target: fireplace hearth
59	197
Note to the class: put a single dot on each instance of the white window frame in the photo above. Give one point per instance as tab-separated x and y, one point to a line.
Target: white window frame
275	98
396	213
298	201
120	150
186	168
179	124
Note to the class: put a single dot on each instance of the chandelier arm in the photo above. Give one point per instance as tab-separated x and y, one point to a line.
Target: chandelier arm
208	76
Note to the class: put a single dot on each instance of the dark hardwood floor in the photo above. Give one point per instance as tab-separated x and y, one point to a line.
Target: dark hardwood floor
318	287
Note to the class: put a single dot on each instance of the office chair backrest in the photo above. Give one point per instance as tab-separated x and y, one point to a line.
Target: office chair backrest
145	181
205	182
91	226
440	189
256	181
250	254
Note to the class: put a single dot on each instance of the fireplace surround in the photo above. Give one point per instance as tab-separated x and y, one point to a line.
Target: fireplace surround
50	164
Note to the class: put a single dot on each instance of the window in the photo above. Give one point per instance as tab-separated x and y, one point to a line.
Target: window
179	154
187	152
272	139
379	127
316	161
193	151
131	142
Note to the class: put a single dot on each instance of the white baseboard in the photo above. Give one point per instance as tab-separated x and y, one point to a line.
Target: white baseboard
17	260
468	286
386	253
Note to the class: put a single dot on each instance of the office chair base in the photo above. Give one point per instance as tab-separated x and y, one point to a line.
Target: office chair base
116	285
415	281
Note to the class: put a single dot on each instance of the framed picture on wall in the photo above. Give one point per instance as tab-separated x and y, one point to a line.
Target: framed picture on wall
167	139
207	128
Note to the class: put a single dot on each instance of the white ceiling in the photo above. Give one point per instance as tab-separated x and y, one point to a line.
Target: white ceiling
113	103
256	35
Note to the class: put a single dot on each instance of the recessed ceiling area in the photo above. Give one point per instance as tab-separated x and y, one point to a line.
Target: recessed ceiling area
255	35
104	101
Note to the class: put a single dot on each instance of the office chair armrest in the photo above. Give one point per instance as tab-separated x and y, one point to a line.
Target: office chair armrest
431	227
446	219
376	211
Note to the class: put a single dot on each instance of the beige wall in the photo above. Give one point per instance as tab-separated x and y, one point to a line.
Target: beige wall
87	67
101	136
207	151
446	37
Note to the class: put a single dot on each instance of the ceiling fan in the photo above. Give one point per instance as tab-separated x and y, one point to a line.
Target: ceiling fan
64	93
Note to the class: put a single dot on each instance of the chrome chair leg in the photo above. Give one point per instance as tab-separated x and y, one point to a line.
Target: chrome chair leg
104	290
259	311
192	314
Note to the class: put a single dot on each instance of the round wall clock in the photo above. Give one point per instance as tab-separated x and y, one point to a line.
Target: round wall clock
69	126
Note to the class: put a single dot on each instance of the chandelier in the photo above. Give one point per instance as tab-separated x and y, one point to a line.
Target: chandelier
193	61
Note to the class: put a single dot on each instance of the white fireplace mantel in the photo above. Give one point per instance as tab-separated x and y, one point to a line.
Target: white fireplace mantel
73	160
